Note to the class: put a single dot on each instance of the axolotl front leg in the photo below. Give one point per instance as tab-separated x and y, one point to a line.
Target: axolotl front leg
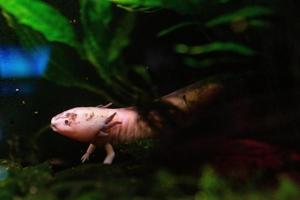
110	154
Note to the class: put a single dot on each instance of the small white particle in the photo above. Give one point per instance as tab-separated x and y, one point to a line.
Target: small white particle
73	21
17	89
36	112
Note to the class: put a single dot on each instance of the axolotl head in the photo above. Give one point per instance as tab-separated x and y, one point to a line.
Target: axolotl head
81	123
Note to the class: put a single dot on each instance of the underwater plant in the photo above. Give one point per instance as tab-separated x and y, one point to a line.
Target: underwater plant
90	50
104	36
102	32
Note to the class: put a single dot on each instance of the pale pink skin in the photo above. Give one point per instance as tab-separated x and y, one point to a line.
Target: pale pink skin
90	125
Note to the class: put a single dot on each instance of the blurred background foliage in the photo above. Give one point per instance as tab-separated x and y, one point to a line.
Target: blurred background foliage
88	182
101	32
127	52
99	41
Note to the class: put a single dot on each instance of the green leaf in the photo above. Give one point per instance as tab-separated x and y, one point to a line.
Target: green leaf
142	72
140	3
258	23
214	47
209	62
60	70
64	71
42	18
120	38
191	6
252	11
105	36
176	27
28	37
210	181
287	189
96	17
246	12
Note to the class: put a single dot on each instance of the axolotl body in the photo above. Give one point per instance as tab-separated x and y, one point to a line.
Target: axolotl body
100	126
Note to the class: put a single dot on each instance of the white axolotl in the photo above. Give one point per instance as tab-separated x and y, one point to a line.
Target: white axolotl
101	126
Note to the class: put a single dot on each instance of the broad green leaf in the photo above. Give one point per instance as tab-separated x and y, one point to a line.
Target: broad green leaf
214	47
120	38
64	71
28	37
64	77
96	17
246	12
105	36
60	69
42	18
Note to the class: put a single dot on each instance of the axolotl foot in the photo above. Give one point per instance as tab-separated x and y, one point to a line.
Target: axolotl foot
110	154
88	152
85	157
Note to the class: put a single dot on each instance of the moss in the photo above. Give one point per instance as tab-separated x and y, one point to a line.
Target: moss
97	181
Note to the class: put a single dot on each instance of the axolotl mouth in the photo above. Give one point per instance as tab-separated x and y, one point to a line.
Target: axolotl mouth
53	121
53	127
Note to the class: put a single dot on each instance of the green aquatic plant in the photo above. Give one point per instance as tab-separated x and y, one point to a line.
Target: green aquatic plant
103	31
22	181
88	50
41	18
104	36
209	17
214	47
94	44
186	7
92	181
246	12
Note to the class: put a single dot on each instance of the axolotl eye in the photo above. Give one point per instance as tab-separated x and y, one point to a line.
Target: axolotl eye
66	122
